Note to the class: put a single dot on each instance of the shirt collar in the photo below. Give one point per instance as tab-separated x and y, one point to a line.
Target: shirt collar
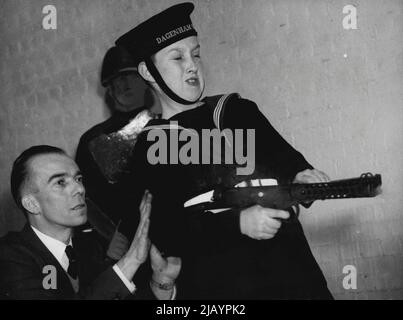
56	247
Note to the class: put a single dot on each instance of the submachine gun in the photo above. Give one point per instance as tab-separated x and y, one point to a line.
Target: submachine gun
289	195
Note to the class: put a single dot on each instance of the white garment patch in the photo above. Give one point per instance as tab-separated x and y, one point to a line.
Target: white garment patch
208	196
257	183
204	197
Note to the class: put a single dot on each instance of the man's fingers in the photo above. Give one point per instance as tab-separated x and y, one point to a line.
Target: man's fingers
174	260
156	256
146	208
143	241
144	233
123	241
264	236
273	213
155	250
319	176
146	198
316	176
143	200
143	225
311	176
145	214
117	228
324	177
144	229
120	245
272	225
142	247
120	237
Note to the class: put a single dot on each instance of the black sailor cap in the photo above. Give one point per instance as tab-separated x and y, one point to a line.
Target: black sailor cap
159	31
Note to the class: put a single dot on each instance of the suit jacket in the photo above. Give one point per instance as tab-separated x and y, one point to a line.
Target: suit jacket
23	258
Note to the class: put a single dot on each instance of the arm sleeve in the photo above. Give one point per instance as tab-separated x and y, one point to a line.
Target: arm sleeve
271	148
129	284
112	284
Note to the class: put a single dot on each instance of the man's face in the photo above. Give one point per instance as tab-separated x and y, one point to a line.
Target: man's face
181	68
128	89
59	191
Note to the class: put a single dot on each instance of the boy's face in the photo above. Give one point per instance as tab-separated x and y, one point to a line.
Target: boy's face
128	89
181	68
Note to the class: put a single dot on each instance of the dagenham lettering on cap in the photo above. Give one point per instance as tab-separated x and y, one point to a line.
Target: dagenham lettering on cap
159	31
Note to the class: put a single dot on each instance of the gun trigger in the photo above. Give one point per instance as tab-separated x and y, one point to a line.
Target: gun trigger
217	194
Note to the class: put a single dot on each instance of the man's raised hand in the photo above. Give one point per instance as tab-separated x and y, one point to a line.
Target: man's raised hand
138	251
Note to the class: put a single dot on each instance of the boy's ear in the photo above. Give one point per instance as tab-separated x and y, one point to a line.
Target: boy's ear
144	73
30	204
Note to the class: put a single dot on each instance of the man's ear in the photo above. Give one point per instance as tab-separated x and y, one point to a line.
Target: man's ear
30	204
144	73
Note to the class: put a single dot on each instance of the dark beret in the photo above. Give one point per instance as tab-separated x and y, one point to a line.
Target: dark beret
116	61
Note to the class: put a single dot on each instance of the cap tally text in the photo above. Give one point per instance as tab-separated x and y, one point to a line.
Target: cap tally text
173	33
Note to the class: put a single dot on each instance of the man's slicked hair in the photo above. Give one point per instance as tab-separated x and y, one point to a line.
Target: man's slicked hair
20	170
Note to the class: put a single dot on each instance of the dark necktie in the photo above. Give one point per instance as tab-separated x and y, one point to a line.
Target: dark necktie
72	269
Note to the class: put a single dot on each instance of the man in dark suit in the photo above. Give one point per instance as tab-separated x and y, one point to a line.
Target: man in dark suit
47	260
